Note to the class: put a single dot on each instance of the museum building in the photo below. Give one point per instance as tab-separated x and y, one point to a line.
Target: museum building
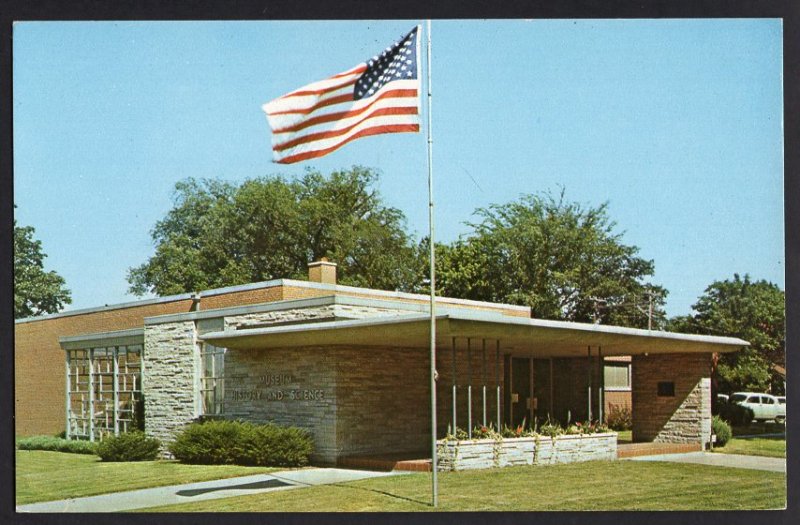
351	365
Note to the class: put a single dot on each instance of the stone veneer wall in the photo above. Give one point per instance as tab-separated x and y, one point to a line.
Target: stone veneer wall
352	400
292	386
382	400
169	378
335	311
488	453
684	418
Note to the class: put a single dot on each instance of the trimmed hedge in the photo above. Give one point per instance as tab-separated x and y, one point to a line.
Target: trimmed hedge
55	444
129	446
735	414
218	442
722	430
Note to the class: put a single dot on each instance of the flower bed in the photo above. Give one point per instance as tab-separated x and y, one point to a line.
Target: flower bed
455	454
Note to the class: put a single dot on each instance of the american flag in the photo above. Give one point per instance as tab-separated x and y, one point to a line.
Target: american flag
377	96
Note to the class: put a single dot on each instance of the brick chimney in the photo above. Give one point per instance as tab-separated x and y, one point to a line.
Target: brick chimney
322	271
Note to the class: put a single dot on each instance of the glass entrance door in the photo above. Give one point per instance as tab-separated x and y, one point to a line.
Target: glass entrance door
520	392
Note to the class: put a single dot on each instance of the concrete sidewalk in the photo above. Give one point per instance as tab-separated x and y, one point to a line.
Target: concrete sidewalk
203	490
720	460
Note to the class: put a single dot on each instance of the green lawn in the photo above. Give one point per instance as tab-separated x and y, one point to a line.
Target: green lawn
617	485
774	447
624	436
46	476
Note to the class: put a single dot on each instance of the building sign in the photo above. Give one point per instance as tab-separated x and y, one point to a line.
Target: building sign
268	388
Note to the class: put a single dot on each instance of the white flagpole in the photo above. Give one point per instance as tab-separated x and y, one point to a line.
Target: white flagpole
434	462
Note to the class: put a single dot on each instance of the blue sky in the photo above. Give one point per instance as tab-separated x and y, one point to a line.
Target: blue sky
676	123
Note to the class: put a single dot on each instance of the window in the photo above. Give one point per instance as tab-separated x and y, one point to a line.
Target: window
666	389
212	380
617	376
754	399
104	391
767	400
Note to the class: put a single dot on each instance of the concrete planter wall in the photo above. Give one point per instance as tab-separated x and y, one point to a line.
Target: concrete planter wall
488	453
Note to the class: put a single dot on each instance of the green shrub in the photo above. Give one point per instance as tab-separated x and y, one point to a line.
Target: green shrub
619	418
735	414
55	444
722	430
217	442
276	446
128	446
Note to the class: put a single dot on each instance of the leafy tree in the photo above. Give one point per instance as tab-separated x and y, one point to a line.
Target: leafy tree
562	259
221	234
36	291
753	311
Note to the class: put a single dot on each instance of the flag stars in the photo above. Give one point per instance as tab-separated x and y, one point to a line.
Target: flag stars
394	63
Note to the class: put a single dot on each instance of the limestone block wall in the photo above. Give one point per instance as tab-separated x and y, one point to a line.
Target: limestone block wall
169	378
334	311
684	417
488	453
353	400
292	386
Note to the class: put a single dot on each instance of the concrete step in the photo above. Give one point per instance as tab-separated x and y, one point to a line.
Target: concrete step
630	450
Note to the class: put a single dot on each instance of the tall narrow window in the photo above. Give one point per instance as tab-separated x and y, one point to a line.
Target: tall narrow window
212	381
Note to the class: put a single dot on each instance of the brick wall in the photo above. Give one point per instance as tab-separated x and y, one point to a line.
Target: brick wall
682	418
617	398
39	382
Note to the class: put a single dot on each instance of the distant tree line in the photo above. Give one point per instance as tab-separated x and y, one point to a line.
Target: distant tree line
563	259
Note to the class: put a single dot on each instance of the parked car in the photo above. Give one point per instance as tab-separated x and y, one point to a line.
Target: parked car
781	399
722	398
765	407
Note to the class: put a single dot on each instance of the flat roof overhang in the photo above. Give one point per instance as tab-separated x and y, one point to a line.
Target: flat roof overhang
522	336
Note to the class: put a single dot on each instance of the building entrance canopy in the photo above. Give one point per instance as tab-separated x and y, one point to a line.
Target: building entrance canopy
534	337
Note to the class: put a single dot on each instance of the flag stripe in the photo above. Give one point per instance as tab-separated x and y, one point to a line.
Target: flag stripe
329	84
329	117
327	143
278	122
302	139
377	130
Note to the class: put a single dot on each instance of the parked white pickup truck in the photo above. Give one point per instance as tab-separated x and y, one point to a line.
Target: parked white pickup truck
764	406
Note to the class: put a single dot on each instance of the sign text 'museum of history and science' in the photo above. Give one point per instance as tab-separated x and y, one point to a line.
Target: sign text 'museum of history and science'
268	389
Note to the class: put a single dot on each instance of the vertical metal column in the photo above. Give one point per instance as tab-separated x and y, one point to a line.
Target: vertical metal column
530	392
601	394
589	381
469	387
91	394
483	377
455	421
116	391
552	388
69	394
497	381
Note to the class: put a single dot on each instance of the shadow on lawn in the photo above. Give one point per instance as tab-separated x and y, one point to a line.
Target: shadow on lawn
383	492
